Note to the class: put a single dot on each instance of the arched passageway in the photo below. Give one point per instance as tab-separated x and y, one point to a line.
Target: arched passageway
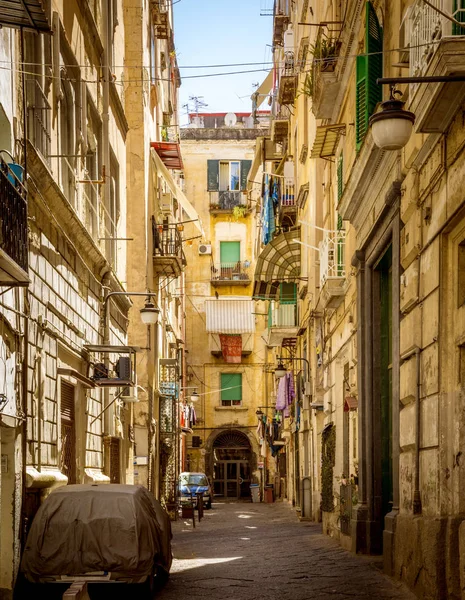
231	465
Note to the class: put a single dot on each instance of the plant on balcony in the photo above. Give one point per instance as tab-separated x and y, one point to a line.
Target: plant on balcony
308	86
239	212
325	51
214	206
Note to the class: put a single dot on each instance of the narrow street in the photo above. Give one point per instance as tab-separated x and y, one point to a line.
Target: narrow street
261	551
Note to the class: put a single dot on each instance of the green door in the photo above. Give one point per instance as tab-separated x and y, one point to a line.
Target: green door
230	253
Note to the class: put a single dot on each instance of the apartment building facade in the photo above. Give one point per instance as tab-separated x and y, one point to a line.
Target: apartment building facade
380	236
226	356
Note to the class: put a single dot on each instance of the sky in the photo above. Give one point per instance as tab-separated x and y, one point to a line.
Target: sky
220	32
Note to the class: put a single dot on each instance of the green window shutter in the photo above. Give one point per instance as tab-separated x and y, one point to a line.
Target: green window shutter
213	175
361	120
459	15
231	386
369	68
230	252
287	293
245	168
374	49
340	177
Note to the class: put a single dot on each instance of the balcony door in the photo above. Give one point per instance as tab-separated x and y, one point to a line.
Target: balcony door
230	256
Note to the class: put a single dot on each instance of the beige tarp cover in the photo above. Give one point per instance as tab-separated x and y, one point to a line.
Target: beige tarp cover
104	527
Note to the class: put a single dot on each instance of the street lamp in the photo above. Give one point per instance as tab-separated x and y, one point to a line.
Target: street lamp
149	314
194	396
281	370
392	126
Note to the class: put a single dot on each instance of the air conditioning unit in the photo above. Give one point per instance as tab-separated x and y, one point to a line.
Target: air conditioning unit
205	249
166	202
124	368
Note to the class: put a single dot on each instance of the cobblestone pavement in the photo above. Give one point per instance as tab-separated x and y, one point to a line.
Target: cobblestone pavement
261	551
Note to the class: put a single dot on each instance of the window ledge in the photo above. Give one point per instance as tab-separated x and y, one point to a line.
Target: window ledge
235	408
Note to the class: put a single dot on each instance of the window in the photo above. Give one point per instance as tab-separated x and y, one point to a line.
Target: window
369	67
231	389
227	175
230	253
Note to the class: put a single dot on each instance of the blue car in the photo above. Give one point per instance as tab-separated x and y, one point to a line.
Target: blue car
191	484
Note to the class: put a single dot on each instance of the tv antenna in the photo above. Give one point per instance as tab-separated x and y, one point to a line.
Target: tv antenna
198	103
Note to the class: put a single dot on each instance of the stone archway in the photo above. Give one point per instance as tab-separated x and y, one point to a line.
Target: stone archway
231	462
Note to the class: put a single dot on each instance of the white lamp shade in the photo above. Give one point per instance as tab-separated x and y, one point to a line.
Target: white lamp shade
392	133
194	397
280	370
149	314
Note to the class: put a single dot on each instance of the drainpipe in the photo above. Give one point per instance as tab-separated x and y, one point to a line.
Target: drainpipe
416	484
106	102
105	334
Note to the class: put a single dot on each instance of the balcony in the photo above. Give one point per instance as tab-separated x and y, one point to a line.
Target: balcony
161	18
168	255
225	201
287	87
235	273
281	20
325	84
282	323
13	229
437	47
332	269
279	123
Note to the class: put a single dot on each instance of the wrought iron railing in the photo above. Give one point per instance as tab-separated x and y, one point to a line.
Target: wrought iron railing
39	112
231	271
166	240
13	217
426	27
332	264
227	199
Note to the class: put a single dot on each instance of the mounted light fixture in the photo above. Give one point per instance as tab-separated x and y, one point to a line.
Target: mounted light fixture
392	126
280	370
149	314
194	396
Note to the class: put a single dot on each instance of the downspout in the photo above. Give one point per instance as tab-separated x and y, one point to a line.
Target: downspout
105	333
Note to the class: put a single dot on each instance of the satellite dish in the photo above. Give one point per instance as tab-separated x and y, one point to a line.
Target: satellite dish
230	119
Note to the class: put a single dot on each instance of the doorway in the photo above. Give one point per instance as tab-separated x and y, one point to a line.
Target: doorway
231	465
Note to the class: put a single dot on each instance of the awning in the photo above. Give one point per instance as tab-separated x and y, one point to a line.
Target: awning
26	14
278	262
170	153
230	316
326	140
350	403
177	192
263	89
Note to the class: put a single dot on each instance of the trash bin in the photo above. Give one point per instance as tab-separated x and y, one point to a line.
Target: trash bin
255	492
269	489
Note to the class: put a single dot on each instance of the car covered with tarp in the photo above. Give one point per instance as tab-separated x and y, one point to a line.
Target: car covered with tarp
99	532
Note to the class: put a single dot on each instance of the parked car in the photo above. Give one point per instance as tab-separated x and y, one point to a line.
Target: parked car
191	484
99	533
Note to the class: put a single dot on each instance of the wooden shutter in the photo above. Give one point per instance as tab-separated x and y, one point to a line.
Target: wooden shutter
374	49
68	432
340	177
231	386
369	67
213	175
230	252
245	168
360	101
459	15
287	293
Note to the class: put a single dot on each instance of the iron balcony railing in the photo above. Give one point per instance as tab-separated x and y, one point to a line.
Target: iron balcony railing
426	26
332	263
167	241
13	217
231	271
227	199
